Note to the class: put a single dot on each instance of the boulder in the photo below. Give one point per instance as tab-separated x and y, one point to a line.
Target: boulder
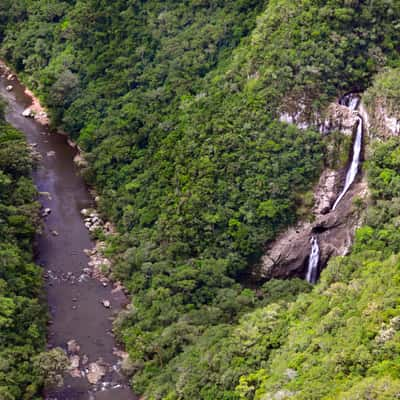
71	143
42	116
74	366
28	113
74	362
73	346
9	88
79	161
106	303
96	371
46	212
128	367
47	194
85	359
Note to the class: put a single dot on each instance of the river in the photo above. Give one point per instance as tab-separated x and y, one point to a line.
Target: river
74	299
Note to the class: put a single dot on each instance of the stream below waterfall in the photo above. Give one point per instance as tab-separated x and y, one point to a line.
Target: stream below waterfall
74	297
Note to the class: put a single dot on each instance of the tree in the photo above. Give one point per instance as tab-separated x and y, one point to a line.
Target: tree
51	366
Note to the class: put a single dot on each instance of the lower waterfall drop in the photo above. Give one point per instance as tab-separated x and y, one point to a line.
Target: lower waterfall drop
312	270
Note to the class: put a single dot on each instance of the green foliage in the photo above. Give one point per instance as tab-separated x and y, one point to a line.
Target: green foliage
52	365
385	91
343	337
22	315
176	105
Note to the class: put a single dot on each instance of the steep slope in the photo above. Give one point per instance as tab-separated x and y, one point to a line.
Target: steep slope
342	340
177	109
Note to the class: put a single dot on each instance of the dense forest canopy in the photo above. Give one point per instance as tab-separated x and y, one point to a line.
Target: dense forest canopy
176	106
22	312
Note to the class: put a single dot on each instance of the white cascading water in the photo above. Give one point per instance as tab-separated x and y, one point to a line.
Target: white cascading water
312	270
352	103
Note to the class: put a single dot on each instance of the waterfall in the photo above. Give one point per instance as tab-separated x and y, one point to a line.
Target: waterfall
352	103
350	100
312	270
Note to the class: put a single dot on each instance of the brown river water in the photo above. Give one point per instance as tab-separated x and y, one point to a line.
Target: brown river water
74	298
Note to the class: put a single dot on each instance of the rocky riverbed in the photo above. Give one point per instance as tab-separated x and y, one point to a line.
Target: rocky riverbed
82	301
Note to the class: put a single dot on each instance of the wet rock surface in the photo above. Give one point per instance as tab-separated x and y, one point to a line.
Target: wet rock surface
288	255
332	227
340	118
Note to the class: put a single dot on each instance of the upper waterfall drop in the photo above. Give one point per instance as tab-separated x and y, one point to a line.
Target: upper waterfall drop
312	270
352	102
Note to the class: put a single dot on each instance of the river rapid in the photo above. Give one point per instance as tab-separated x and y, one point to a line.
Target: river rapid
74	297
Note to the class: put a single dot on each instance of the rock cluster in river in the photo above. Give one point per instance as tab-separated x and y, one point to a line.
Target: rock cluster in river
35	111
92	220
99	265
37	115
95	371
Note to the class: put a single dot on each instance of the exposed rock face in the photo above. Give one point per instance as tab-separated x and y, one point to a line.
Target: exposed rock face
288	255
382	123
335	118
364	114
340	118
326	190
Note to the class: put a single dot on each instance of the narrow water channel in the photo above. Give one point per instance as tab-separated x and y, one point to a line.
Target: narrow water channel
75	299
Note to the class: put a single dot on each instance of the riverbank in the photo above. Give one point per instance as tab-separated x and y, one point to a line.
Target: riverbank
22	306
81	307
